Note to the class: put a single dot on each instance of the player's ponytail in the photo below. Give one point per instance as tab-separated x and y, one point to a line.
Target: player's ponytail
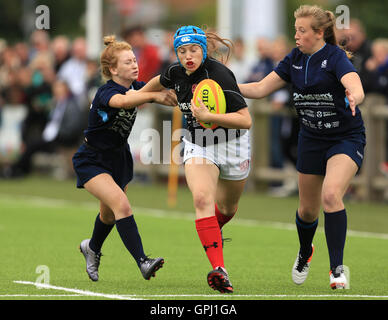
217	46
108	40
328	27
109	57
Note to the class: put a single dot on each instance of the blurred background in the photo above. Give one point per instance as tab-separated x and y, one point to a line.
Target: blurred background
49	73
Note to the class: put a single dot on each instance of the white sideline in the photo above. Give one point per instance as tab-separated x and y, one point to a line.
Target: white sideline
77	291
38	295
218	296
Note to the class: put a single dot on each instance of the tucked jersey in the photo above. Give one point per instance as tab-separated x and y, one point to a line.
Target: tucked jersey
175	77
109	127
318	94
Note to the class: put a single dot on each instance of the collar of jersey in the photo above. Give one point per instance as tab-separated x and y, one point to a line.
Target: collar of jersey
117	84
320	49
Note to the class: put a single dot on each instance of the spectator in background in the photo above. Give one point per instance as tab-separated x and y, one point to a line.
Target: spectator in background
60	47
37	96
93	79
64	129
40	43
354	39
167	51
238	63
9	61
147	55
22	51
265	64
74	70
377	65
283	129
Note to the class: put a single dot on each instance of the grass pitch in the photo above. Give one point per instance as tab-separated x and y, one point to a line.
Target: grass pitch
43	221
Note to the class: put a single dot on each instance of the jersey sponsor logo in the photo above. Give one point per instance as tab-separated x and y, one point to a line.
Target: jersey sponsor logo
297	67
324	64
329	125
184	106
124	121
313	97
329	113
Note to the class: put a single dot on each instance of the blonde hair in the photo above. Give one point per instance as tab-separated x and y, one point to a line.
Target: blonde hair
322	20
109	56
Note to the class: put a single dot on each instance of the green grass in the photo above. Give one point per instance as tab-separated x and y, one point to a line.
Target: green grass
43	221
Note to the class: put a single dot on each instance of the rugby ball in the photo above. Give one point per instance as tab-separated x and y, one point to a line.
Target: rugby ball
212	97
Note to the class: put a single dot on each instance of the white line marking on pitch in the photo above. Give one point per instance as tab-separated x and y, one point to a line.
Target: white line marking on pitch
261	296
77	291
39	295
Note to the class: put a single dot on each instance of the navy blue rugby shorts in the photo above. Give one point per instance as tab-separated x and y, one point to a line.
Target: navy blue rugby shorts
313	153
89	163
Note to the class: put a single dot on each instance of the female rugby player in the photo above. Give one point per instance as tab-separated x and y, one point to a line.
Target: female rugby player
326	92
104	164
217	162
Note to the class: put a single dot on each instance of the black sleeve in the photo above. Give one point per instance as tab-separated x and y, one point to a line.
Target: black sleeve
166	76
227	81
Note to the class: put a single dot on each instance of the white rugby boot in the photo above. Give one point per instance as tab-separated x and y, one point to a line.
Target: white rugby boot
92	259
301	268
338	279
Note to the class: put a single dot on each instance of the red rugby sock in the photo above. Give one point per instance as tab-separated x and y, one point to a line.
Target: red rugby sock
222	218
209	233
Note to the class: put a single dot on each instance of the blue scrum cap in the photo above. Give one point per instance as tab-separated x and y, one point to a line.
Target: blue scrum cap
190	35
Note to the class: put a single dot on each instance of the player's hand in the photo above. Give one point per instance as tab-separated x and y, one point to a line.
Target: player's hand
166	97
352	102
201	113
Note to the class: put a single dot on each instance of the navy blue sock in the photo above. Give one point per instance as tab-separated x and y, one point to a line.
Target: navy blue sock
335	230
306	232
100	233
130	236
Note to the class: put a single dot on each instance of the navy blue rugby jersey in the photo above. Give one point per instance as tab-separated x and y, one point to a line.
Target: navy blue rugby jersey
175	77
318	95
109	127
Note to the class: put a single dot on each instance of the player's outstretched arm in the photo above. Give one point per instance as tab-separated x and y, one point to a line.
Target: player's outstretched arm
135	98
153	85
263	88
